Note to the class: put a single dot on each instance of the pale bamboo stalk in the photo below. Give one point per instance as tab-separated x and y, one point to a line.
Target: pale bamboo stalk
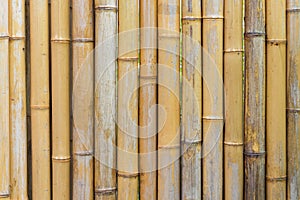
212	14
105	99
168	100
83	102
233	88
276	100
4	100
18	132
148	100
40	123
191	142
254	149
293	98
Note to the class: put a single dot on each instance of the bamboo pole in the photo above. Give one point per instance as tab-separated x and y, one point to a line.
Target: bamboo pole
18	132
276	100
212	99
233	83
168	100
40	124
105	101
254	149
293	98
83	76
191	142
4	99
148	100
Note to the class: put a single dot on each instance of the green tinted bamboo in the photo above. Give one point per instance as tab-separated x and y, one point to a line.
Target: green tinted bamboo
191	100
168	100
233	85
254	149
293	98
18	132
276	100
105	101
4	99
148	100
212	99
40	124
83	76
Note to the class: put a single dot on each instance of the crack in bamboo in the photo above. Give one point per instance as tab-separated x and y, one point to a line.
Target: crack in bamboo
276	179
104	191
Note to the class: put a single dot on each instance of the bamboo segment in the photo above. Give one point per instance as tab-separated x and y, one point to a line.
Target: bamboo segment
212	99
168	100
293	98
128	100
191	142
148	100
4	100
83	102
233	80
255	100
105	101
40	125
18	132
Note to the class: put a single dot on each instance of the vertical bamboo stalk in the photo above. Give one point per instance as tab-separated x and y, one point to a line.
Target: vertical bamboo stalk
4	99
254	149
168	100
212	99
105	98
293	98
233	81
276	100
40	124
191	100
18	132
83	102
148	100
128	100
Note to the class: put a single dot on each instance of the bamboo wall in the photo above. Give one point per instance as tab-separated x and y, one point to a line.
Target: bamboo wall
149	99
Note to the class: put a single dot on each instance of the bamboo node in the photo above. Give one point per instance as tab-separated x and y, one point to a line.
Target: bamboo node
82	40
129	59
17	37
4	37
293	10
255	34
256	154
276	41
191	18
177	146
60	40
84	153
213	17
191	142
39	107
233	50
61	158
4	195
128	175
213	118
293	110
148	77
175	36
233	143
276	179
105	190
106	7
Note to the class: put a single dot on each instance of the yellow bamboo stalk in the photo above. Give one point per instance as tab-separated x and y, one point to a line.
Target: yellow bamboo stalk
4	99
293	98
148	100
105	101
83	102
212	99
254	149
233	85
40	124
191	100
18	132
168	100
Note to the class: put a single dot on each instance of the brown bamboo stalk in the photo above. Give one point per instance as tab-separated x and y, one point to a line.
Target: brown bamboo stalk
212	14
148	100
168	100
83	102
105	101
233	85
191	142
276	100
18	132
4	99
254	149
40	124
127	159
293	98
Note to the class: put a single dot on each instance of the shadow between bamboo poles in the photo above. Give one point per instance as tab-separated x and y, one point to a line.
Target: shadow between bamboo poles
83	99
293	98
18	132
4	99
105	101
40	124
233	88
